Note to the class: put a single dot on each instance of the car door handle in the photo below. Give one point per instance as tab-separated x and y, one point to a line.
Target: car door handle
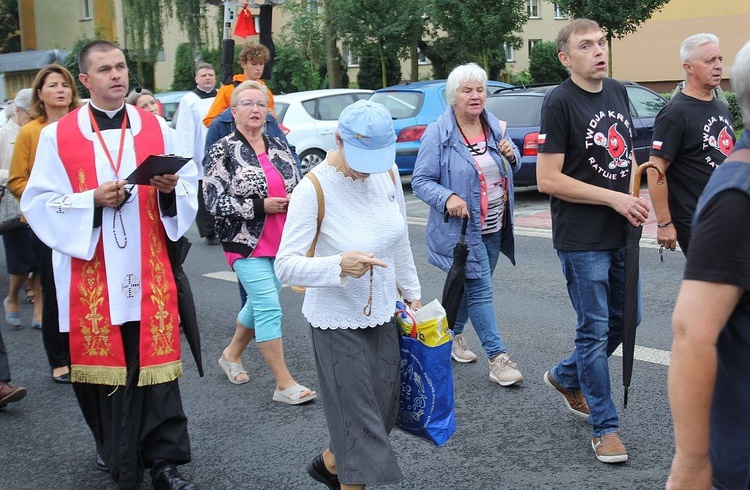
326	133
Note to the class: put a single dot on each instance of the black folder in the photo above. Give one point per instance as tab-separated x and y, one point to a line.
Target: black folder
156	165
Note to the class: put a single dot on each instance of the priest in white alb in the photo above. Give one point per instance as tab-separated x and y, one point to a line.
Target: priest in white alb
115	288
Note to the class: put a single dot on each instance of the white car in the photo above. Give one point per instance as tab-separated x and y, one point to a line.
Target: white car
311	118
168	103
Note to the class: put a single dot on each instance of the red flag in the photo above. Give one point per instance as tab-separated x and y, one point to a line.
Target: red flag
245	23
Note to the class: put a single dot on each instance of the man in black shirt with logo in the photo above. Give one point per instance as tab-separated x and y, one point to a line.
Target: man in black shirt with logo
692	137
585	163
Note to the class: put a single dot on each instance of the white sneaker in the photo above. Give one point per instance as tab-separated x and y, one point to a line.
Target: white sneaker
460	350
504	372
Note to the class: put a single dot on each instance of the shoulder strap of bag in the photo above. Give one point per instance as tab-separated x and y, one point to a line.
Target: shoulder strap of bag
321	211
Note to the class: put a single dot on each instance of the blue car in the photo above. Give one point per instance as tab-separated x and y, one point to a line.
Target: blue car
521	108
413	106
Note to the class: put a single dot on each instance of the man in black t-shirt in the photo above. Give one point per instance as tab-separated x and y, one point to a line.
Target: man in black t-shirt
585	163
709	393
692	136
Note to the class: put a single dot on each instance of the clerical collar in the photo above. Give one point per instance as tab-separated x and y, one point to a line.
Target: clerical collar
108	119
109	114
203	94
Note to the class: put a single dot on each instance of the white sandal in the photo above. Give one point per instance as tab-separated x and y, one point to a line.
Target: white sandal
232	370
293	395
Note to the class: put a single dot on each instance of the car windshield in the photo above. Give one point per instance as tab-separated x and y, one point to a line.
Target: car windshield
402	105
281	108
645	102
518	111
327	108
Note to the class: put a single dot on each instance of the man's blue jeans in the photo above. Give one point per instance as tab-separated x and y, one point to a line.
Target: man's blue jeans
477	301
596	287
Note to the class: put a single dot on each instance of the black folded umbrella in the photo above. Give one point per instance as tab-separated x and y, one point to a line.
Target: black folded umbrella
632	271
453	289
177	252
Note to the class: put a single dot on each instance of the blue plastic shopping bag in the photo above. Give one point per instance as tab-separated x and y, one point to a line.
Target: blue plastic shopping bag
426	403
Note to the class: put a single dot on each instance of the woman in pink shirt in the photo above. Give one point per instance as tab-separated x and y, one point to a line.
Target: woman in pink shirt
248	179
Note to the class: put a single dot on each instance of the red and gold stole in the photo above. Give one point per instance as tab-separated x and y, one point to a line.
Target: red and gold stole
96	348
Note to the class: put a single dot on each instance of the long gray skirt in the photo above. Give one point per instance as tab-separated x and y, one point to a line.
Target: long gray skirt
359	382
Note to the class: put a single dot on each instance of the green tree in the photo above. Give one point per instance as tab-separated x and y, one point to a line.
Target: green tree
184	68
10	35
481	26
292	73
446	53
145	19
369	75
544	66
616	17
312	33
379	23
305	30
521	78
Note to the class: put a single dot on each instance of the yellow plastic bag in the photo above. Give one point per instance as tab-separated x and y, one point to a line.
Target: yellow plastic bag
428	323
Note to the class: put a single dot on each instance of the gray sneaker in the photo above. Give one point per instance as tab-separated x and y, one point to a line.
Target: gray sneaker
504	372
460	350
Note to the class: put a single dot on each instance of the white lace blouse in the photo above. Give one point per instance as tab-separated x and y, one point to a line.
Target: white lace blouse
369	216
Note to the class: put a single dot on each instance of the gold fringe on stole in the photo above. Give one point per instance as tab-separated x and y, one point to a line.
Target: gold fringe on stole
162	373
98	375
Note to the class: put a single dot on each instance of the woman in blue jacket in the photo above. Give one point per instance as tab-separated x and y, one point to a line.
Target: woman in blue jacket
465	169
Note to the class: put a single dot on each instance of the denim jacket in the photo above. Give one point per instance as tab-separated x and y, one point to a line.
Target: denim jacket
444	166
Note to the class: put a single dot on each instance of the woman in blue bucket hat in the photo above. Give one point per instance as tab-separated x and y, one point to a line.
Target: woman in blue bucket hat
361	259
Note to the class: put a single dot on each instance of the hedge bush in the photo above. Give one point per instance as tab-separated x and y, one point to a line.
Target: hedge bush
370	71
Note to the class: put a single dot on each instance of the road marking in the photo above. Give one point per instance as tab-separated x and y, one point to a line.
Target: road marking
222	275
532	232
648	354
228	276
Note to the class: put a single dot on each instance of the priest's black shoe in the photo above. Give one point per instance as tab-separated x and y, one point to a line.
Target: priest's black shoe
317	469
166	477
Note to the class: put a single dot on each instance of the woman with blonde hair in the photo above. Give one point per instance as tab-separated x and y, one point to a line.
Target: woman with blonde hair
54	95
248	179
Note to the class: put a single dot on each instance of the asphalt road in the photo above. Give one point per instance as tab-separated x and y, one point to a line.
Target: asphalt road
507	438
